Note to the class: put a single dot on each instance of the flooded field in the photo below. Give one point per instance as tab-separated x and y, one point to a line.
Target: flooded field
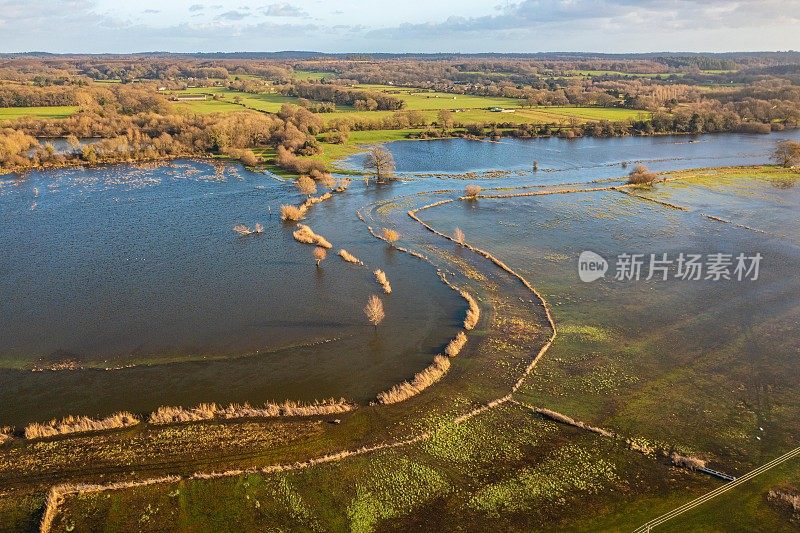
127	288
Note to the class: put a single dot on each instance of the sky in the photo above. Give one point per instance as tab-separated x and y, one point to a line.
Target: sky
466	26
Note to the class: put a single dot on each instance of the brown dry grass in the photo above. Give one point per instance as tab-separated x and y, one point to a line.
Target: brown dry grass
306	235
6	434
421	381
455	346
383	281
79	424
350	258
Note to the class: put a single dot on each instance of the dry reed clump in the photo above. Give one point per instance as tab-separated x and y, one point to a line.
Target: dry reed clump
383	281
692	463
389	235
454	346
306	235
242	230
421	381
259	228
79	424
473	311
209	411
472	191
6	434
317	199
350	258
458	236
293	213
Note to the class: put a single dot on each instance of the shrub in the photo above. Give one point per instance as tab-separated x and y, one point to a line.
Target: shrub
350	258
472	191
390	235
454	346
259	228
306	235
383	281
640	175
306	185
6	434
374	310
319	254
79	424
293	213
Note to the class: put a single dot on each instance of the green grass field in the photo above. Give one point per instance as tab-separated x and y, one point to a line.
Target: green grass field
11	113
307	75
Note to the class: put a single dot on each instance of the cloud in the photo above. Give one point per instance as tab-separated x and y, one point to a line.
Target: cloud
196	7
232	15
283	10
151	11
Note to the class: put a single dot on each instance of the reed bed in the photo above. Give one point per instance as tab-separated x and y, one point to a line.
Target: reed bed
6	434
473	311
383	281
350	258
211	411
79	424
306	235
317	199
420	382
455	346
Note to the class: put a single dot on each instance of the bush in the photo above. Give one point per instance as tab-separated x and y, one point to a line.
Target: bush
292	213
472	191
640	175
306	235
350	258
383	281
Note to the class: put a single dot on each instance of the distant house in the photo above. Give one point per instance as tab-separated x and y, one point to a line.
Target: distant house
496	109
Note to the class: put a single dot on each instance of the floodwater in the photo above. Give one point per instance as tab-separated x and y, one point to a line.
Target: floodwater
118	266
135	276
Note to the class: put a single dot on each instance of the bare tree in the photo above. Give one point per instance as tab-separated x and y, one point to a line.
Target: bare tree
444	118
320	254
472	191
374	310
641	175
787	153
458	236
380	160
